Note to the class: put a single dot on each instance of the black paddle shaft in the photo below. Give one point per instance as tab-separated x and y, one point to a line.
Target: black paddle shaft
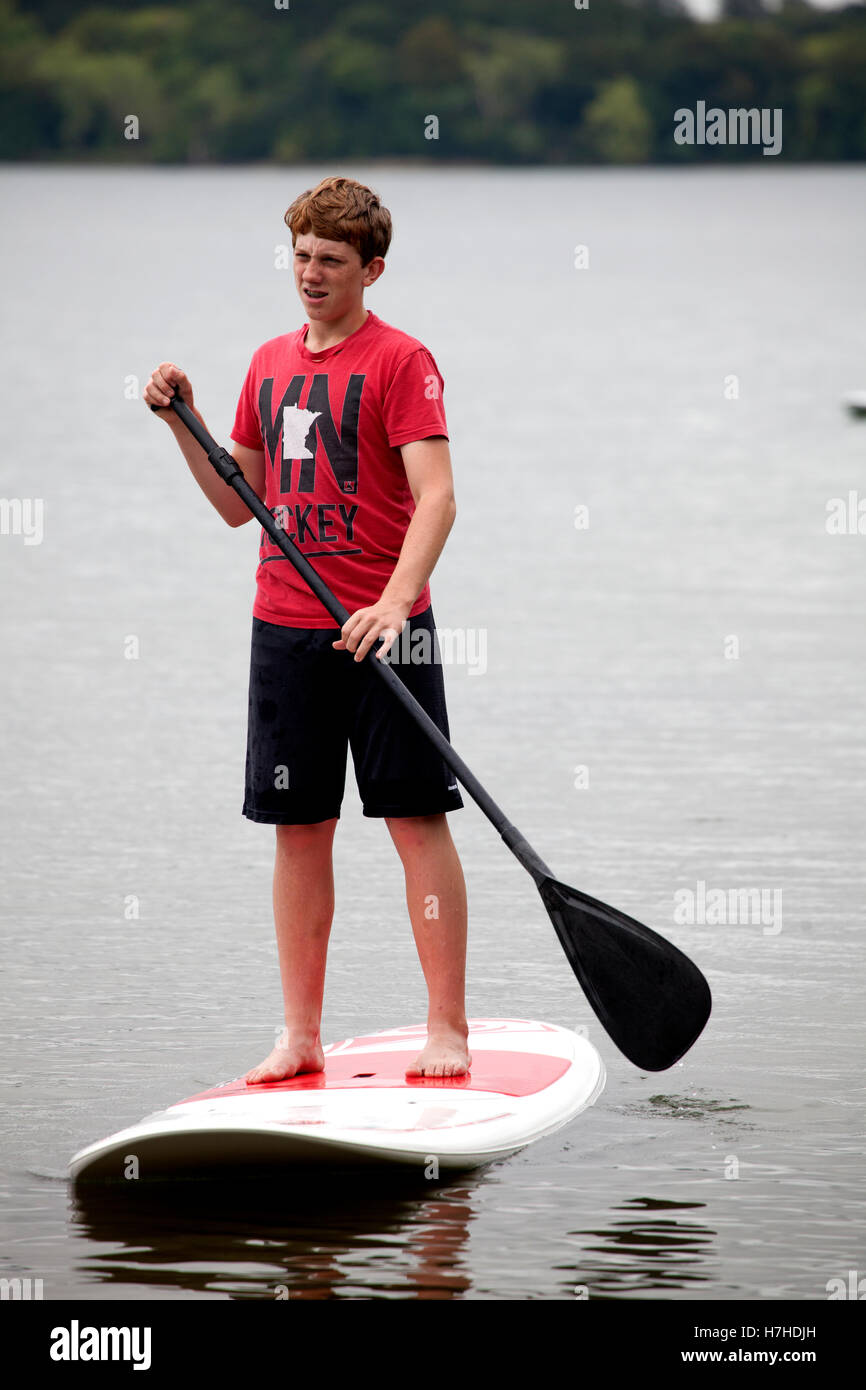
652	1000
229	471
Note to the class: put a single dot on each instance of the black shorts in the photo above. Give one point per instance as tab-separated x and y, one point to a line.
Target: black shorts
309	703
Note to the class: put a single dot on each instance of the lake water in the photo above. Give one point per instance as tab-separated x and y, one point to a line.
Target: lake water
673	697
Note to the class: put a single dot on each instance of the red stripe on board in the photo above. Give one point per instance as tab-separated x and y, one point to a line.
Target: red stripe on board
506	1073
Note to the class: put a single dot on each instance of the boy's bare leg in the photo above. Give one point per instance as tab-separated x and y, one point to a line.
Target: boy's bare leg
303	911
436	898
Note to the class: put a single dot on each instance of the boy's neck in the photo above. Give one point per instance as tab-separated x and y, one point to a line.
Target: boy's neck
321	336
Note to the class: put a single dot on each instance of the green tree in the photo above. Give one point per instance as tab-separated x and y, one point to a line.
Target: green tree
617	125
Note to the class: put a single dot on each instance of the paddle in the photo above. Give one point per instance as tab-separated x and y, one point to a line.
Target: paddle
652	1000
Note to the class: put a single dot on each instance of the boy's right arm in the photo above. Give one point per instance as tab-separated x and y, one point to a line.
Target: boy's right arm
168	380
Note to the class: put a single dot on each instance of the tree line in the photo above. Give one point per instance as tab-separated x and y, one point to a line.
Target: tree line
506	81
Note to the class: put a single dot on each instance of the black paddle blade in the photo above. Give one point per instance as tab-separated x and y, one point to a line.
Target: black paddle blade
651	999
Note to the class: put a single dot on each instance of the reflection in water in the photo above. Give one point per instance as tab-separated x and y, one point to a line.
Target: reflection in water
356	1237
344	1237
656	1255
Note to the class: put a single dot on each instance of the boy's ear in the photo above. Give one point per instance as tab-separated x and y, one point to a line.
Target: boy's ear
373	269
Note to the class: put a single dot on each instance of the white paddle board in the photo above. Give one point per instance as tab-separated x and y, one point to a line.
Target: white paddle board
526	1080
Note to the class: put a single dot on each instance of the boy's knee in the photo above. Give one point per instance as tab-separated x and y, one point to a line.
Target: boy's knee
321	832
414	830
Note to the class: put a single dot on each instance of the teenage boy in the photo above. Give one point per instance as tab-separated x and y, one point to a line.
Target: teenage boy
340	429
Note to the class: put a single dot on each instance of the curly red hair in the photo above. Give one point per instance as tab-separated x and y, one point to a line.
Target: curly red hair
340	209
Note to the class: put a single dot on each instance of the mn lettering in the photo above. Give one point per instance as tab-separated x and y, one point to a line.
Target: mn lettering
338	448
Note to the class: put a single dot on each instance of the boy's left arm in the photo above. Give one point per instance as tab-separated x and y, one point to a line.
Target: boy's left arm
428	469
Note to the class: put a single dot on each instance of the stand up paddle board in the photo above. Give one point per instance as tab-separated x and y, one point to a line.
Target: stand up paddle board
527	1079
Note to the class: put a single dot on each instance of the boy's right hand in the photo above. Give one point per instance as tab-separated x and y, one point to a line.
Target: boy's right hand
166	381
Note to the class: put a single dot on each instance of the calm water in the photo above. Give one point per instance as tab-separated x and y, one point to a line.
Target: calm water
698	649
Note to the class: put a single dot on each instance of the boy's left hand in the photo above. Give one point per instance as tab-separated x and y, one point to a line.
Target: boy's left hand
385	619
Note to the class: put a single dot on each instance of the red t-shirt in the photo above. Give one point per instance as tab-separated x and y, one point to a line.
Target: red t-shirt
331	424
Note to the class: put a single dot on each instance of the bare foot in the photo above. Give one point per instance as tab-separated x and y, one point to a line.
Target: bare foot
445	1054
286	1060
